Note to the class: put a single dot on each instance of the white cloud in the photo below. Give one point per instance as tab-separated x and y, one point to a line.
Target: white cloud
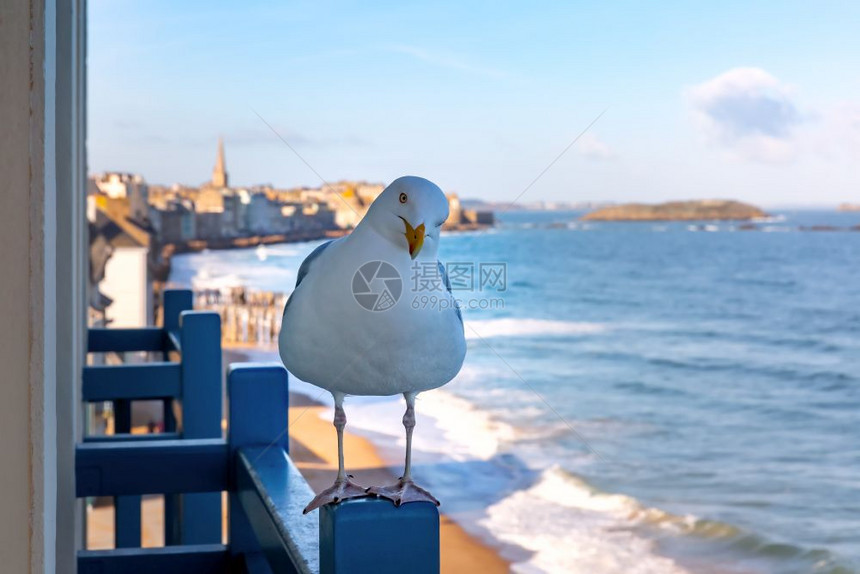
749	112
590	146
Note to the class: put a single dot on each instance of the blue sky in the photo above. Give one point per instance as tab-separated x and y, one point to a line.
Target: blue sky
758	101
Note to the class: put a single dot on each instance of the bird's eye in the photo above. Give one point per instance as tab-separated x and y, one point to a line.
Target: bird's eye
403	198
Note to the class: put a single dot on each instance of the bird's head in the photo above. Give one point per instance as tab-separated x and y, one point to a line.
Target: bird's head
410	213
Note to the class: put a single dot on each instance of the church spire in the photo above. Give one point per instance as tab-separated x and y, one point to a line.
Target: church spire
219	174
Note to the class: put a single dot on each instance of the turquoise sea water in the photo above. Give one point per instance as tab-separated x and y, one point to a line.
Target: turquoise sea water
642	397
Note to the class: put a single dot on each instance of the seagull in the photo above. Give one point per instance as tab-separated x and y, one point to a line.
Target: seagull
355	323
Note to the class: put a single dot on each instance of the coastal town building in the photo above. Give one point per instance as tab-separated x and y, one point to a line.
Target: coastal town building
260	214
129	271
219	172
474	217
215	214
176	223
118	185
455	210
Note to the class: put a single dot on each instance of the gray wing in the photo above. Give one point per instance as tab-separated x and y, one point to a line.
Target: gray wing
444	275
305	267
306	264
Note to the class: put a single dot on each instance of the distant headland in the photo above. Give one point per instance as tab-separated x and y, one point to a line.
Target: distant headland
699	210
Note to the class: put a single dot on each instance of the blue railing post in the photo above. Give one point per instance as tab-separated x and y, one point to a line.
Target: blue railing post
372	535
174	302
258	399
126	521
126	509
202	395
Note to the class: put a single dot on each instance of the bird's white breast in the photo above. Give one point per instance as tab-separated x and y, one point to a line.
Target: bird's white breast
330	340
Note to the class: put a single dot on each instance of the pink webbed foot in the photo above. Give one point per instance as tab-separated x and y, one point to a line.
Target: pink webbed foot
342	489
402	492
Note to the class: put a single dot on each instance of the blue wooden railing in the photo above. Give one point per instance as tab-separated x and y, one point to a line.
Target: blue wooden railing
268	534
190	387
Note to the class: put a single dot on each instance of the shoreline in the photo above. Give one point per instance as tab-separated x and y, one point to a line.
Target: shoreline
248	241
313	448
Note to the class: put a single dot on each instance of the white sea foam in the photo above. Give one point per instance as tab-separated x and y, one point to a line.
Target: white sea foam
451	427
228	274
510	327
289	249
466	432
570	527
210	279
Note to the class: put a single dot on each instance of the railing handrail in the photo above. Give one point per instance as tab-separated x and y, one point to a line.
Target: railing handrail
125	340
135	381
151	467
272	493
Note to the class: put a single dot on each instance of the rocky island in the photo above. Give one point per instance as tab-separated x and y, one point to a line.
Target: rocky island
699	210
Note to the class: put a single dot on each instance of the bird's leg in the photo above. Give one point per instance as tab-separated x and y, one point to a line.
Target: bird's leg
343	487
409	425
405	490
339	425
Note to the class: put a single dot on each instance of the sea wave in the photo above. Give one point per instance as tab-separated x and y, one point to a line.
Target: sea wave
466	432
570	527
207	279
510	327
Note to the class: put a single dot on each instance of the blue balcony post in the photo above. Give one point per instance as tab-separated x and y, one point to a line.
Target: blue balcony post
175	301
202	395
126	517
372	535
258	399
127	521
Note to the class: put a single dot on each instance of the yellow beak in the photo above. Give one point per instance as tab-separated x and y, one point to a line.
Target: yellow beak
414	237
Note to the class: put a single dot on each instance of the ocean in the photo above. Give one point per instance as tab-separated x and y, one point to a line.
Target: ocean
636	397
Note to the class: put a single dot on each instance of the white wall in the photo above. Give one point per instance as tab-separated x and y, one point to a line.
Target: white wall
127	284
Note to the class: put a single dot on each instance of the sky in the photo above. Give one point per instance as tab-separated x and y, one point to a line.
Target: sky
756	101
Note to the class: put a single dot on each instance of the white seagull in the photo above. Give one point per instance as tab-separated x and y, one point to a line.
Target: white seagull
372	314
